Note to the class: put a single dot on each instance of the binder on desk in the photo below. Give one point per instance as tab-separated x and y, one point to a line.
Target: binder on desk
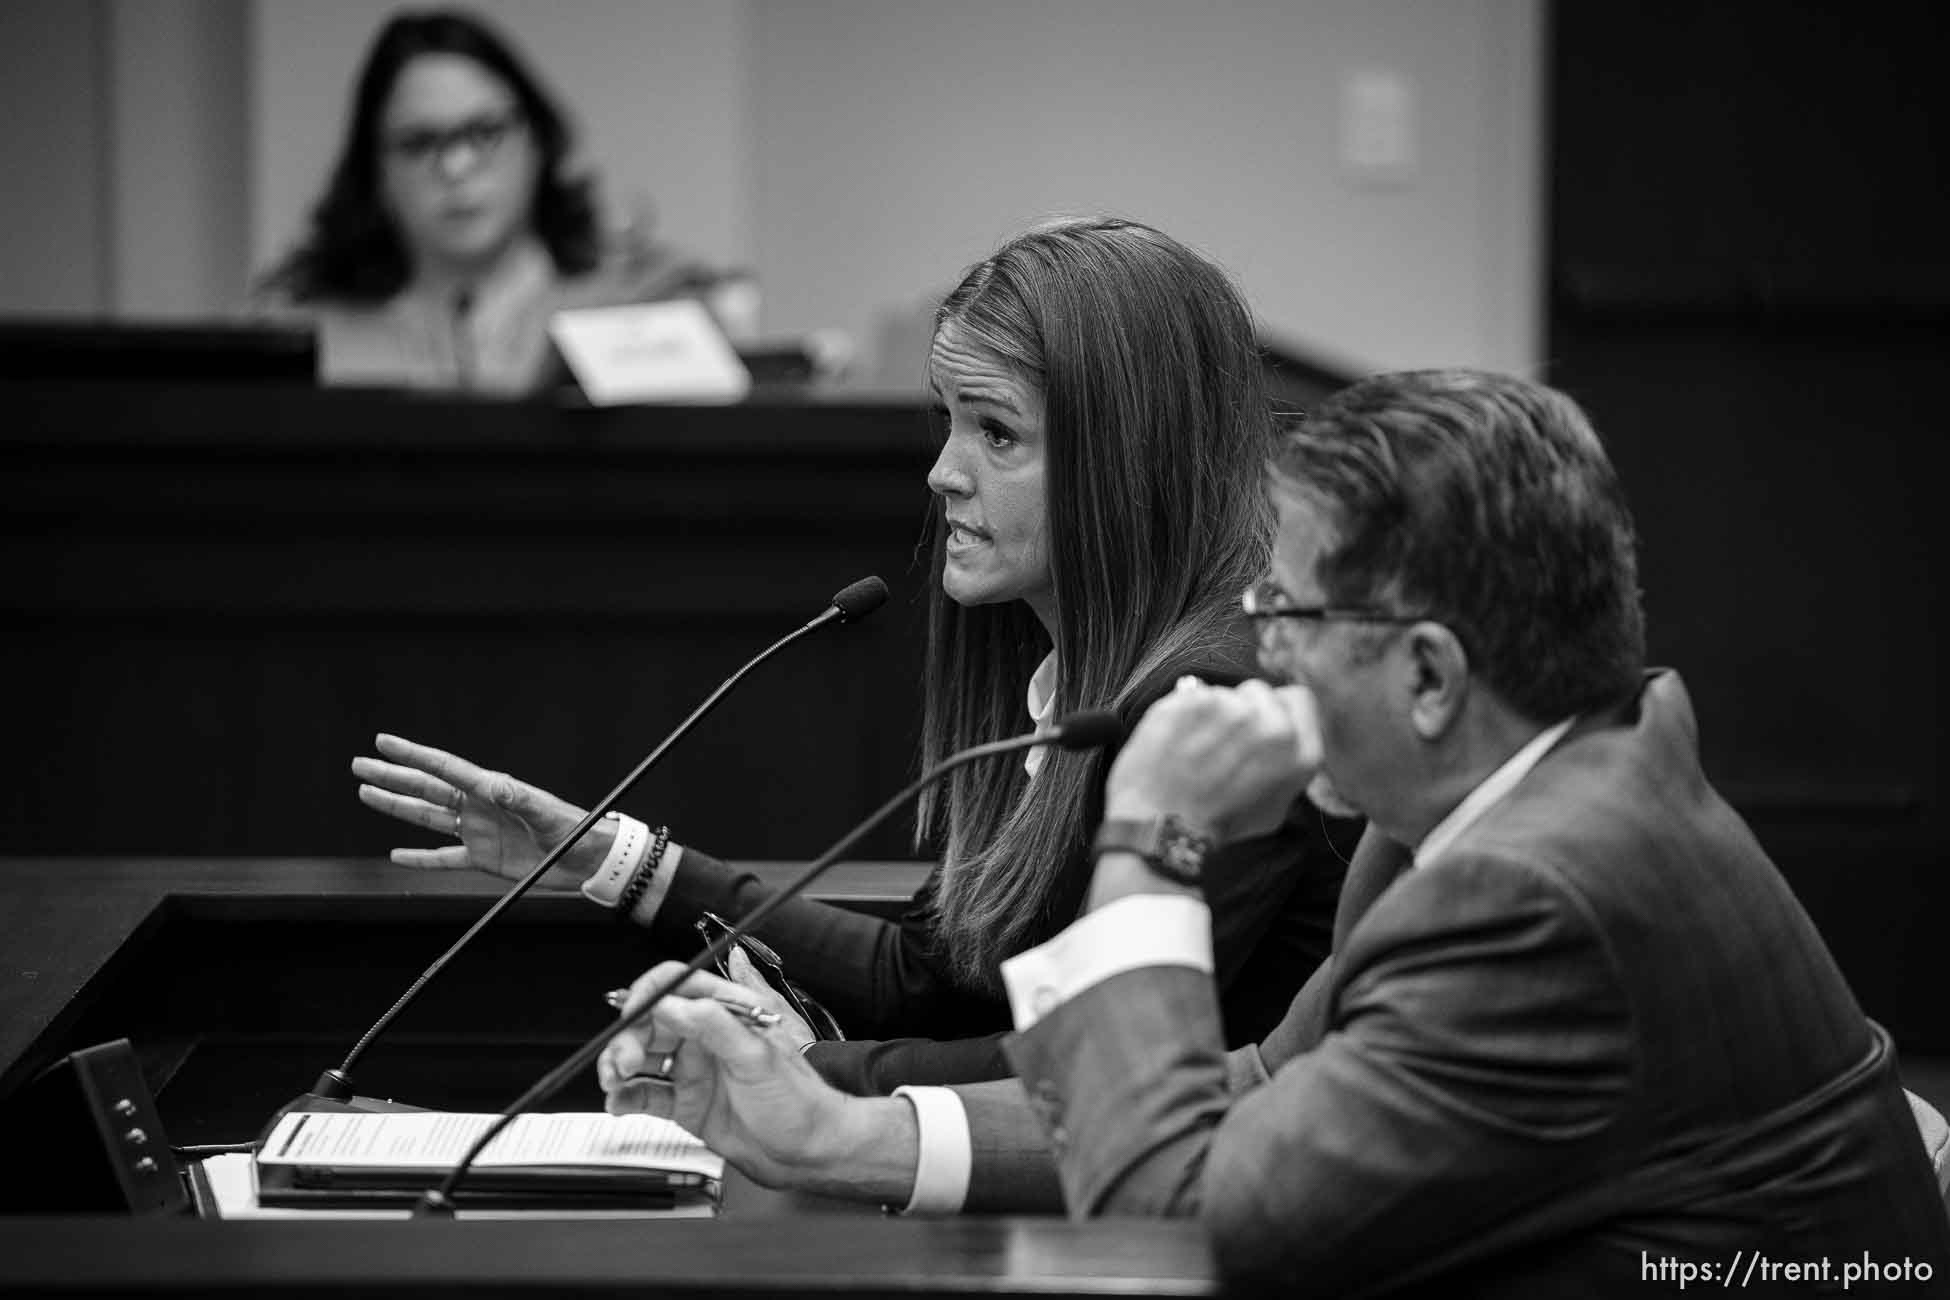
569	1161
225	1187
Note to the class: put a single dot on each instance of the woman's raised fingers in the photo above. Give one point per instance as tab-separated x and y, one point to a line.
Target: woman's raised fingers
414	812
405	780
454	857
451	768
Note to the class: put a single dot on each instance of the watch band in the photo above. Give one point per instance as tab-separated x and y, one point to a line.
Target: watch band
1167	844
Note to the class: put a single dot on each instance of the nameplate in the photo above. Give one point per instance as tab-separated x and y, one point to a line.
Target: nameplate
649	352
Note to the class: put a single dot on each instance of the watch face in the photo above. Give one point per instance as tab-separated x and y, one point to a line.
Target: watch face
1181	851
1173	849
1183	854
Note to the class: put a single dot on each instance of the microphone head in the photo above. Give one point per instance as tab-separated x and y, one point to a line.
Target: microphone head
860	599
1090	729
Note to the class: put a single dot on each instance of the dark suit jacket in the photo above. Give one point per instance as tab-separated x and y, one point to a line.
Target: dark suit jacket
908	1019
1597	1033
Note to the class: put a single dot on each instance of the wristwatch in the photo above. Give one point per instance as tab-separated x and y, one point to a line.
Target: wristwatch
1167	845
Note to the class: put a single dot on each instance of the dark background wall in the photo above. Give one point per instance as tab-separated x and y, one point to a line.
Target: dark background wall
1750	292
217	595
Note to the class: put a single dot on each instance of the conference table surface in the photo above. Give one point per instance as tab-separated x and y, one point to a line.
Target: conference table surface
73	927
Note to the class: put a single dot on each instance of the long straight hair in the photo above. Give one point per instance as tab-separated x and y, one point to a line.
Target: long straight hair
1157	428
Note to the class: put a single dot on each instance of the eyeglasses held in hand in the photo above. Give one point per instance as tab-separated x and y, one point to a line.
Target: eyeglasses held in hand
768	964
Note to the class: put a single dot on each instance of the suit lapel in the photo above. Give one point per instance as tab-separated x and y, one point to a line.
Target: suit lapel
1378	862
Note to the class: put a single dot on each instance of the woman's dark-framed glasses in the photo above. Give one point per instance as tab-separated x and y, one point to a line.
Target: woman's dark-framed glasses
768	964
428	146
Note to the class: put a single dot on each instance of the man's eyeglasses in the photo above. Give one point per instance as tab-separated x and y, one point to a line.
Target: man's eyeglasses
1265	603
768	963
428	146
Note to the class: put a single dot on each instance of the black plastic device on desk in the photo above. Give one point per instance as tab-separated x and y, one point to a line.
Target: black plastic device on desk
85	1137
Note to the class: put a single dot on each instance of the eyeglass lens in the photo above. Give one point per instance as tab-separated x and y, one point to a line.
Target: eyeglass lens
479	136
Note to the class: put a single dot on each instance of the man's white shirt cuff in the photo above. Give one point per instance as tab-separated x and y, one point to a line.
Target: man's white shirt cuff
1137	930
946	1151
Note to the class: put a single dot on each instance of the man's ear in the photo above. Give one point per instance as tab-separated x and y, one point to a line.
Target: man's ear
1438	679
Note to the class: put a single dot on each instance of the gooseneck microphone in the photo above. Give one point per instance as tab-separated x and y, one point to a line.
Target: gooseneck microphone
1089	730
851	604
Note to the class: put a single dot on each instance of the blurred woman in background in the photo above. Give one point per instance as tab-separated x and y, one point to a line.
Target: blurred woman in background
454	223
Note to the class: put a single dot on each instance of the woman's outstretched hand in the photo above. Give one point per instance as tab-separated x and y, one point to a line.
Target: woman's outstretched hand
504	826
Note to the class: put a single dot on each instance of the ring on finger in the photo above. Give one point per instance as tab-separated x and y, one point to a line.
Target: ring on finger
460	802
668	1062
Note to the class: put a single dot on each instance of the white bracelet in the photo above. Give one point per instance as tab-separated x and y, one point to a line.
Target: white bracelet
625	855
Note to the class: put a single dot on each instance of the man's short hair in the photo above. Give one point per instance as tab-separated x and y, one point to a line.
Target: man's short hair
1487	502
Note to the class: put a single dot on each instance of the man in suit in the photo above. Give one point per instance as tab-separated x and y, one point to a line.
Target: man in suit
1580	1038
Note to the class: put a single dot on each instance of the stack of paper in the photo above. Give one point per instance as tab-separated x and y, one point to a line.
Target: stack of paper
581	1161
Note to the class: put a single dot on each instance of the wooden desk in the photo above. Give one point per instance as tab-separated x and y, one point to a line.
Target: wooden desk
863	1259
177	955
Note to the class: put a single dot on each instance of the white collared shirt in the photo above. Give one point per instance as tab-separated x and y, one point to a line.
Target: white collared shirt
1492	788
1041	703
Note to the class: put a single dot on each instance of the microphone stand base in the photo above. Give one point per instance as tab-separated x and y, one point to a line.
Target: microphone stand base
433	1204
